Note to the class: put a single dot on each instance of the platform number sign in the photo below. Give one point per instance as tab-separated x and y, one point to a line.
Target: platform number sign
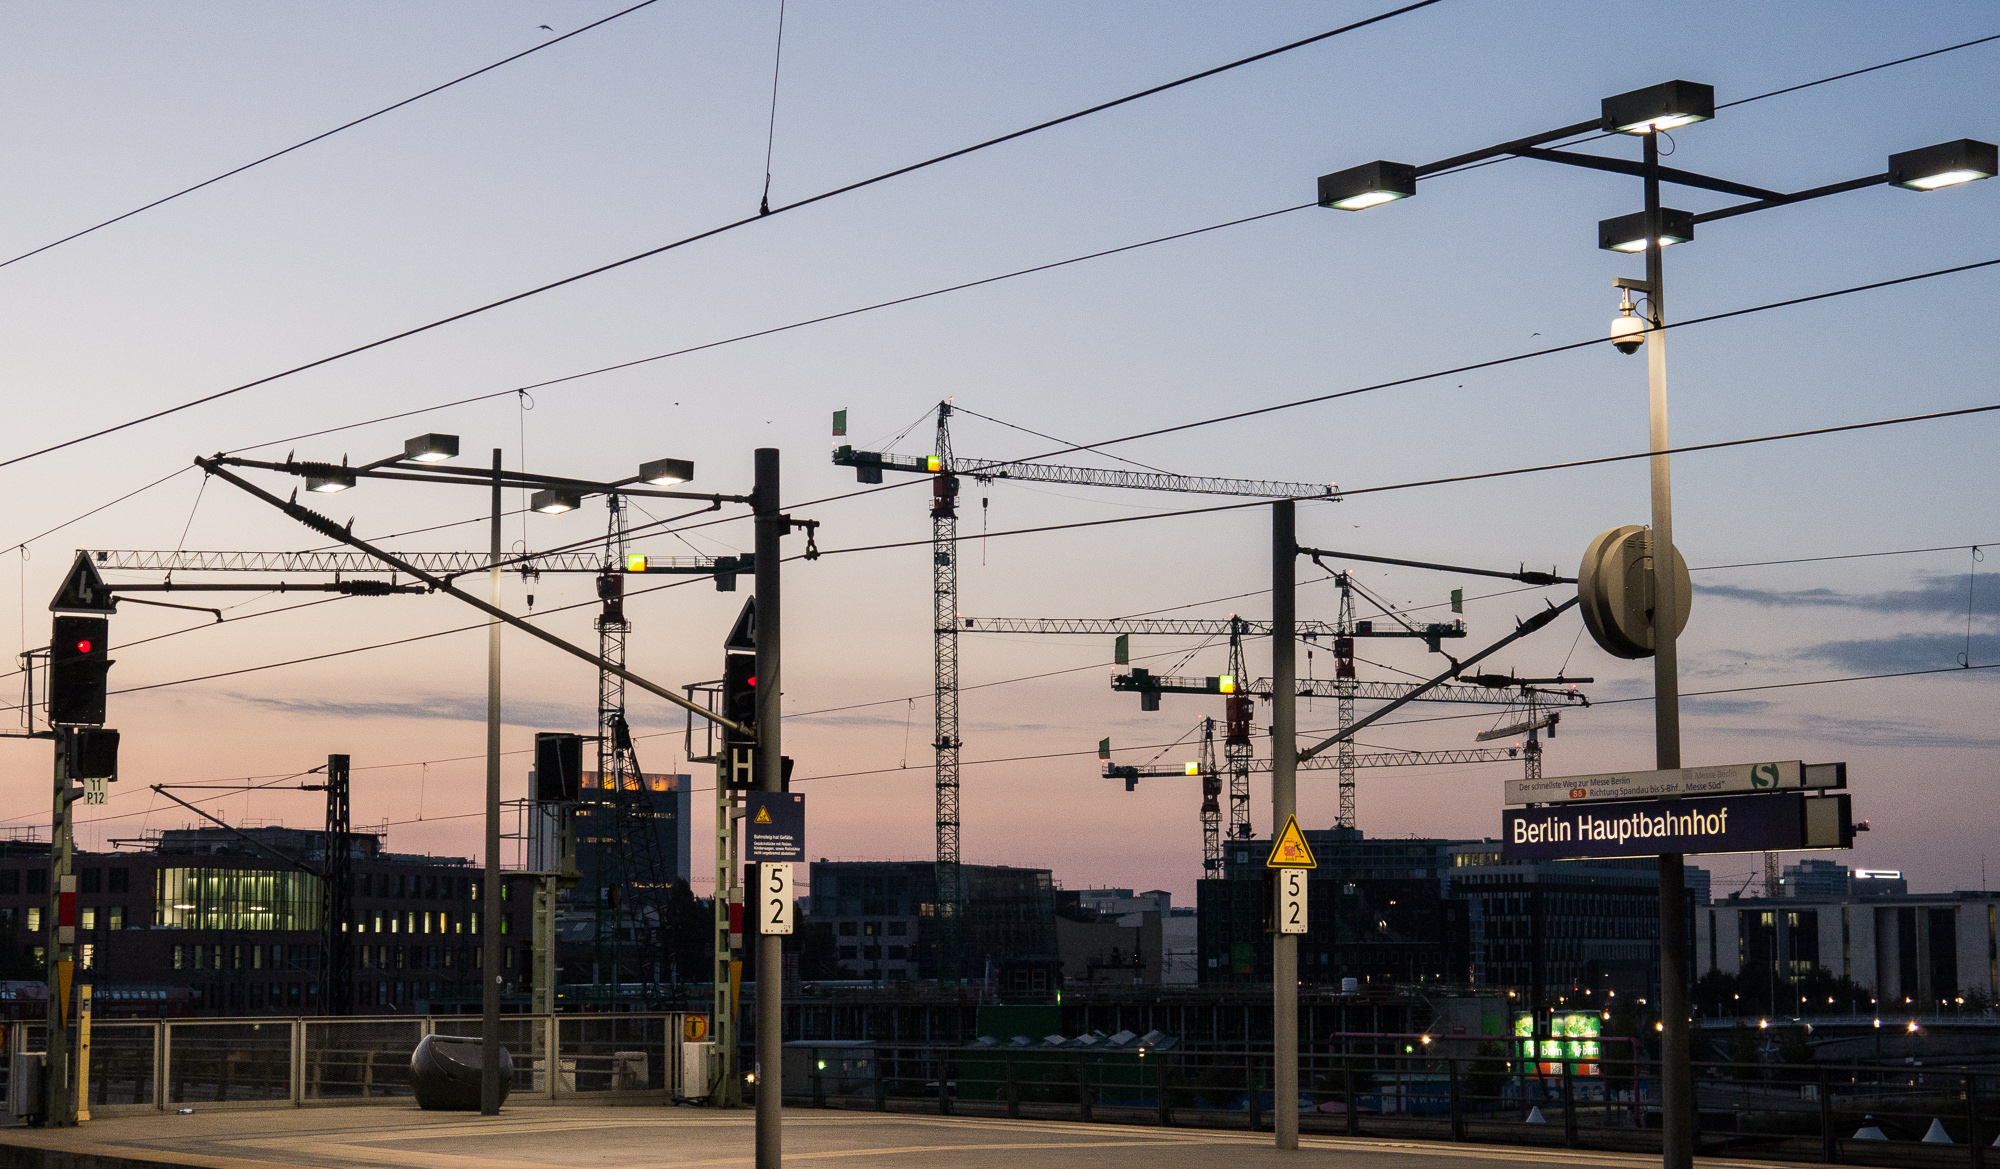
1292	901
94	791
774	897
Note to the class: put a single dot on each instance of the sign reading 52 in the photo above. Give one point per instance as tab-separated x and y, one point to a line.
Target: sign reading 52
1291	905
774	897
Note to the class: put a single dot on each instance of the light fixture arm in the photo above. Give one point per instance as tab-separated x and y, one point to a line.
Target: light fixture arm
331	530
476	477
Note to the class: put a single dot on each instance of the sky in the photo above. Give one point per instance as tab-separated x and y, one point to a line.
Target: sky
655	127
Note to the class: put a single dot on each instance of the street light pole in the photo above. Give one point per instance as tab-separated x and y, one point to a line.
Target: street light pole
489	1056
770	525
1284	804
1676	1078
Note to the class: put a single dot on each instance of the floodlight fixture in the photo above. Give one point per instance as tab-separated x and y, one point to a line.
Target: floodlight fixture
334	480
1627	233
1945	165
666	472
1369	185
1667	106
555	500
431	448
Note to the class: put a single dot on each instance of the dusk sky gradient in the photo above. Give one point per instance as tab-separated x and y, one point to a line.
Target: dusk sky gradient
654	127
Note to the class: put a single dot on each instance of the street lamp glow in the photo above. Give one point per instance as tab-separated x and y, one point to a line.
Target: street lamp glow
431	448
555	501
1945	165
666	472
1368	185
1667	106
330	483
1627	233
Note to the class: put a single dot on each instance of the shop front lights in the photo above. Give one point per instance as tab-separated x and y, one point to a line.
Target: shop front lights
1667	106
1368	185
555	501
1945	165
431	448
666	472
1627	233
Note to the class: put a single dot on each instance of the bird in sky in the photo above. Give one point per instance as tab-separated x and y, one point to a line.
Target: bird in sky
545	28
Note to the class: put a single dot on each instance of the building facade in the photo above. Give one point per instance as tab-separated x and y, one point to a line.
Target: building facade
1909	950
206	910
885	923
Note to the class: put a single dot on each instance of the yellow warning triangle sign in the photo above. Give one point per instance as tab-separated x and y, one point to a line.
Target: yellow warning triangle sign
1291	851
763	816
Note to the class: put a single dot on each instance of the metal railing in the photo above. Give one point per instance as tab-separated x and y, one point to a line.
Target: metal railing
1916	1117
267	1062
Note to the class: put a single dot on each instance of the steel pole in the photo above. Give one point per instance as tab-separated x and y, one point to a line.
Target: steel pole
60	1109
770	526
1676	1077
1284	803
489	1053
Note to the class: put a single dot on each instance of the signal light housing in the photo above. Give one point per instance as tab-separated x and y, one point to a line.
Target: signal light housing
79	668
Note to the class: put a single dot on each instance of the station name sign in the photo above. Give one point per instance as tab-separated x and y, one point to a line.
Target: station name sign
1757	822
1784	775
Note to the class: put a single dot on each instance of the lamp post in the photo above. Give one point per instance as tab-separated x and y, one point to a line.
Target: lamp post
1645	113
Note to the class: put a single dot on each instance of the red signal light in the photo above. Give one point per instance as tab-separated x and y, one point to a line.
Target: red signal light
83	647
753	679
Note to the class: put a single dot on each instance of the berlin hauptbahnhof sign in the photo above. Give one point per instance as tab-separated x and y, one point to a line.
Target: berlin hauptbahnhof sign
1759	822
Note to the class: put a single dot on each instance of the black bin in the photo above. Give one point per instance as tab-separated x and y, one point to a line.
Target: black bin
444	1072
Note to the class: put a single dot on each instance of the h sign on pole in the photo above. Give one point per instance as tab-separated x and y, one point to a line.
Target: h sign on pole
774	897
1291	901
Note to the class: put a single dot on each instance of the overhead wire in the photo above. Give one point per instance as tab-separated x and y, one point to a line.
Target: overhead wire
323	136
995	279
709	233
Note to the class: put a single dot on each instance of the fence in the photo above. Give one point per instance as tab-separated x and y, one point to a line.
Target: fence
249	1063
1914	1117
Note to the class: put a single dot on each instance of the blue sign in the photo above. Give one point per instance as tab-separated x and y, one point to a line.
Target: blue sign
774	827
1753	822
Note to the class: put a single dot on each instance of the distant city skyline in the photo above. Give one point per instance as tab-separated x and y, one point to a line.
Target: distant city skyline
655	127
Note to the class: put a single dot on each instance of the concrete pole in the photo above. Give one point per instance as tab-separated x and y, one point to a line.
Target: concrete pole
770	778
1284	803
1676	1076
489	1055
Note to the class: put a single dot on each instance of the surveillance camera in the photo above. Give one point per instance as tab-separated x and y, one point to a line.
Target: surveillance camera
1628	333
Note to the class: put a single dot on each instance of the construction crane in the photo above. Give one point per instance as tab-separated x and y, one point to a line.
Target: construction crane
945	469
1211	781
633	873
1237	711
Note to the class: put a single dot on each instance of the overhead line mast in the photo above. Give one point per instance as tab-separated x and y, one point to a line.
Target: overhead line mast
945	468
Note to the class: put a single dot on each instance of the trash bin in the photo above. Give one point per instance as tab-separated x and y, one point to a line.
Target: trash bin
444	1072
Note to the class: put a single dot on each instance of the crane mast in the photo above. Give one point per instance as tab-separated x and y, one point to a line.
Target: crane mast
945	469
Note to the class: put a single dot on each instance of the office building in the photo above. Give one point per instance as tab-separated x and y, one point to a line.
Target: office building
884	916
1907	950
212	909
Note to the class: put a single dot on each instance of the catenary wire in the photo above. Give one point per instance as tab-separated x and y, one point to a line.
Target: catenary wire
707	233
1037	268
321	137
1442	480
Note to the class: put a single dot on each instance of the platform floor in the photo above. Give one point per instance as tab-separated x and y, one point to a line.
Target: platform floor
542	1136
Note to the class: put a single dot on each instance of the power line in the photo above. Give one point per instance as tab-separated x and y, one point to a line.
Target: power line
712	232
1491	363
1447	479
321	137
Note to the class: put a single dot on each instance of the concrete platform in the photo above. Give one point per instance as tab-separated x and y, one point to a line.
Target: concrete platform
543	1136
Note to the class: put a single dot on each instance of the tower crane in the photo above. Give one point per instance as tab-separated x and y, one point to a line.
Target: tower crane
945	469
1211	781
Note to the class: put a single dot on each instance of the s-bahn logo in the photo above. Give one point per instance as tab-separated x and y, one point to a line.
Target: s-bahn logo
1764	775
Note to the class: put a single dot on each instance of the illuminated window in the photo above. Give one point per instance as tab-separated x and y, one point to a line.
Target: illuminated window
236	899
